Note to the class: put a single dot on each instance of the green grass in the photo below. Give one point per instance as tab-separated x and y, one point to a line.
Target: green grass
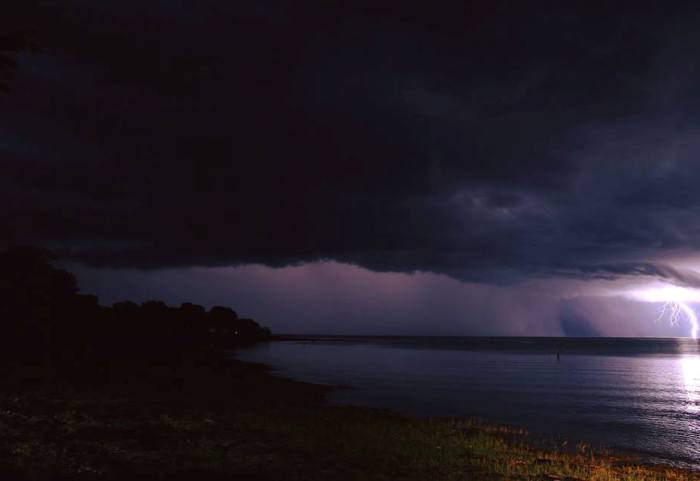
238	422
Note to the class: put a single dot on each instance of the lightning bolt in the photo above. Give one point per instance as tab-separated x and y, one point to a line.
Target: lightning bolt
675	311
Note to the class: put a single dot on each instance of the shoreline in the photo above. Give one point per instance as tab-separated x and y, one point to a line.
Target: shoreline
230	419
542	442
648	450
539	442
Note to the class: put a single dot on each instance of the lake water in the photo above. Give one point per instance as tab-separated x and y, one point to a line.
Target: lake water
640	395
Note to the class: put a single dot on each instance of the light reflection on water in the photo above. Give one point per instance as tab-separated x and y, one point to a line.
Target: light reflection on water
646	400
690	368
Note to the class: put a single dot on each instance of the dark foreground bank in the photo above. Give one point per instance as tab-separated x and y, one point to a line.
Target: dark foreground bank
219	419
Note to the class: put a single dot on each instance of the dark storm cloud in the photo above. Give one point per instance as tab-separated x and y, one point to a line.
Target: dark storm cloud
484	140
680	277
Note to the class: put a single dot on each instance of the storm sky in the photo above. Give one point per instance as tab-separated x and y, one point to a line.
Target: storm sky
447	167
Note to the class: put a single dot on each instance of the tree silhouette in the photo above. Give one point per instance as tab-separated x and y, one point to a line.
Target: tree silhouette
222	320
42	316
34	297
11	44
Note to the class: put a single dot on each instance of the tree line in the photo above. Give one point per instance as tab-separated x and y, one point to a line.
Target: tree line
11	45
45	317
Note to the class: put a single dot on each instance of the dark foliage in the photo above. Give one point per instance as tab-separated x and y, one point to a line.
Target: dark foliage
46	319
10	46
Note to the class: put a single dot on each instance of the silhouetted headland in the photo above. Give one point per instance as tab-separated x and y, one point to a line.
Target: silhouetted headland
46	318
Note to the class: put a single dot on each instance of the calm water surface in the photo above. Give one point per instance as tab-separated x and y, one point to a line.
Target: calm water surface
640	395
